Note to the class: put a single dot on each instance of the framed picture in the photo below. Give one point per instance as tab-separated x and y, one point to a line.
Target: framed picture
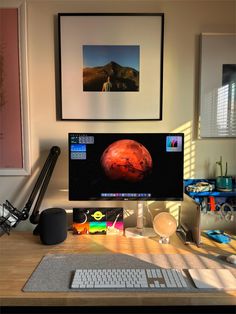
14	113
111	66
218	85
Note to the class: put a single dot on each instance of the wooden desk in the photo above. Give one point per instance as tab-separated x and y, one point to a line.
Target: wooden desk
21	253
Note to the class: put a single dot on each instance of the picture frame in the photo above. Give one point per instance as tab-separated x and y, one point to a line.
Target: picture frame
125	49
14	104
217	85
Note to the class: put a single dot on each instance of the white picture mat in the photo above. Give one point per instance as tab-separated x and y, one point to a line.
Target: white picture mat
216	50
144	31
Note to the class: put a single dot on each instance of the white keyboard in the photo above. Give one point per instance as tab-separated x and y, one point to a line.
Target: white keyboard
128	279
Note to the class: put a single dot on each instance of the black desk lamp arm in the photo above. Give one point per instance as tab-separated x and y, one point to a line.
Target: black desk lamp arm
41	185
11	216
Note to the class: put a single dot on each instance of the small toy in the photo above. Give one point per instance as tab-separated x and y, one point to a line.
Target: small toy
218	236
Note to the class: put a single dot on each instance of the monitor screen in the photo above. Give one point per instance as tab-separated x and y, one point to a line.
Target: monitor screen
126	166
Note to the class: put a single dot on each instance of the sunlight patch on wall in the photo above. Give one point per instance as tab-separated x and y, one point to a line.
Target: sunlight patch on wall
189	168
173	208
189	149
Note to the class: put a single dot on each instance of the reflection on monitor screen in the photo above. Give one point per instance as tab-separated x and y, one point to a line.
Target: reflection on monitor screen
126	166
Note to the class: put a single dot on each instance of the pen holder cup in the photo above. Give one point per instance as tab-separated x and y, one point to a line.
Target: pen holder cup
224	183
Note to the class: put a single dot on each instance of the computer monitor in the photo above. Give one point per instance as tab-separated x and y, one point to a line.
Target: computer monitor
126	166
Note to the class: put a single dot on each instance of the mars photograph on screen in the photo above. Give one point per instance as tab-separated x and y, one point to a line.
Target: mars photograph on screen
126	160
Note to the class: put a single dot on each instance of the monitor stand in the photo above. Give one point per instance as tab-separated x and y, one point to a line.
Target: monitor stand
140	231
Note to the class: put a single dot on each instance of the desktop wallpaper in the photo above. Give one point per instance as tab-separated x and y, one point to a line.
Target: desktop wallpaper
125	166
126	160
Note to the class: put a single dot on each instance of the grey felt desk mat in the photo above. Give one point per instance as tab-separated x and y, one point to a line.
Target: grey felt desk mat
55	271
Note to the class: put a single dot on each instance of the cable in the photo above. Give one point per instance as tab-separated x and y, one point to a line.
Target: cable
228	216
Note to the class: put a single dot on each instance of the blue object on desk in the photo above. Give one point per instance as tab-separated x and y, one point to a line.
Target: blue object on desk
218	236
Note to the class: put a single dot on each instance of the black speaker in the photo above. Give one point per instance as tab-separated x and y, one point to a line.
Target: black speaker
52	227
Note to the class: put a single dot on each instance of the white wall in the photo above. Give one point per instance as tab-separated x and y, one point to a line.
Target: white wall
184	21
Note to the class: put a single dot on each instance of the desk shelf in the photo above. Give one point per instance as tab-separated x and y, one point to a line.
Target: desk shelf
201	196
212	193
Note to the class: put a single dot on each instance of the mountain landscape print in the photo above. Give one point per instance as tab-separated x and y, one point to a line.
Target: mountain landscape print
111	68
